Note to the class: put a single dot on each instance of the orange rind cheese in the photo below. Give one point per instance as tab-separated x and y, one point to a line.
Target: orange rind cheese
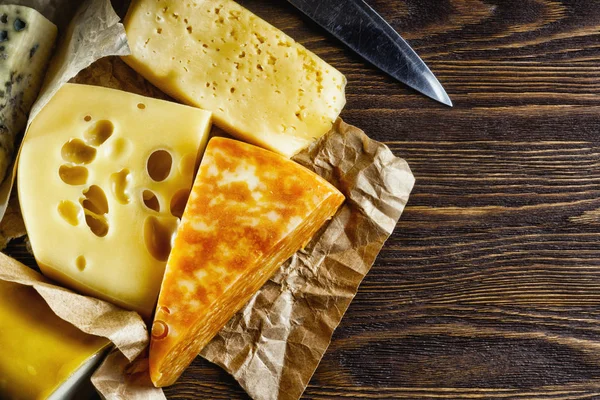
249	211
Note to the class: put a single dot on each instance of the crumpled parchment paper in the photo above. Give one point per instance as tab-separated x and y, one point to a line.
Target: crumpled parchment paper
275	343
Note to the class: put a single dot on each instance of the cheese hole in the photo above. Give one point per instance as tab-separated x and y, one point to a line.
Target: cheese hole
141	106
119	181
159	165
69	211
87	118
99	132
160	330
187	165
98	226
178	203
74	176
150	200
77	152
119	148
165	310
157	236
80	263
95	200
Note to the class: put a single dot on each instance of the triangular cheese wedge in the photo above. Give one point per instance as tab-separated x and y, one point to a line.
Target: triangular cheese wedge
249	211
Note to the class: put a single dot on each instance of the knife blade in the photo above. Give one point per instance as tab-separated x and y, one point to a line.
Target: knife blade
362	29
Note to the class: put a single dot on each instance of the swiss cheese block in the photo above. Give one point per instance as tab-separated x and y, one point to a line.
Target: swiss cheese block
26	43
40	351
249	211
261	85
103	179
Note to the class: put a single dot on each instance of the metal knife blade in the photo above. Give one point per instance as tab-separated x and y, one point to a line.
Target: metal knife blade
362	29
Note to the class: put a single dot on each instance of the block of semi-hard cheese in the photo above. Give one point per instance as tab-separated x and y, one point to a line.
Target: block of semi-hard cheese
103	178
26	42
261	85
40	351
250	209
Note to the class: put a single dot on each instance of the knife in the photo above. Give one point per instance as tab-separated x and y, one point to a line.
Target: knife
362	29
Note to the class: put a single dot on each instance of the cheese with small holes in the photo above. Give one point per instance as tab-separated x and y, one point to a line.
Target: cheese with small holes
262	86
103	178
26	43
40	351
250	209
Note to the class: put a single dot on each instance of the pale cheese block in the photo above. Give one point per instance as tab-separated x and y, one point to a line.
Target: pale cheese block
26	43
40	351
103	178
262	86
249	211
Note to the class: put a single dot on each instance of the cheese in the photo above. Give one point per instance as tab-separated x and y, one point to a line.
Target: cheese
102	176
26	42
40	351
249	211
262	86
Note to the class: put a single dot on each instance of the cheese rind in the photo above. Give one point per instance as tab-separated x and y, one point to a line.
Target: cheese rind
97	173
26	43
261	85
249	211
40	351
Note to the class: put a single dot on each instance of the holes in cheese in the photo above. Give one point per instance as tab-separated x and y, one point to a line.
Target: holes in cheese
119	148
119	182
80	263
178	202
159	165
217	55
95	207
99	133
74	176
98	225
150	200
77	152
95	200
114	145
69	211
160	330
158	233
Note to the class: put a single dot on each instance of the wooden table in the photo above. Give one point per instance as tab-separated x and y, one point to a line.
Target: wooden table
490	286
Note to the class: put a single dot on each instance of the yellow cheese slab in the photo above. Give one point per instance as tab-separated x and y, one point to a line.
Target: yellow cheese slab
261	86
103	179
249	211
40	351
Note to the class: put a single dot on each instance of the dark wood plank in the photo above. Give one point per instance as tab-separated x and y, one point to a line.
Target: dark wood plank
490	286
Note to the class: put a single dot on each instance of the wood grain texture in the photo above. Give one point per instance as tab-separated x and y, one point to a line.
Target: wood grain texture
490	286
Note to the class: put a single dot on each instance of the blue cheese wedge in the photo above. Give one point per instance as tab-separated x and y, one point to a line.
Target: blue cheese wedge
26	42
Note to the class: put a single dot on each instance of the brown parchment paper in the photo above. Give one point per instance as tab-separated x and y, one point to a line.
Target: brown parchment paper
93	32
